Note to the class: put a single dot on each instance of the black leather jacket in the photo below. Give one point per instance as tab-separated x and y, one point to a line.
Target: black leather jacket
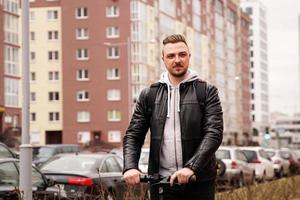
201	130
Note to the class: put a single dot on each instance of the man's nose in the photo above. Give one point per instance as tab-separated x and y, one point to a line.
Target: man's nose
177	58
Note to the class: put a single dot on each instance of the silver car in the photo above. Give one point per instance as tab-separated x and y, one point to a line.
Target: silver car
260	160
238	171
281	166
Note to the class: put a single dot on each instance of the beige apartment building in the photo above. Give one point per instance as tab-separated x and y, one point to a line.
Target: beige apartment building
90	60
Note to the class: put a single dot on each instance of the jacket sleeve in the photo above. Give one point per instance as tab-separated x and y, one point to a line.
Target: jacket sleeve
212	130
135	134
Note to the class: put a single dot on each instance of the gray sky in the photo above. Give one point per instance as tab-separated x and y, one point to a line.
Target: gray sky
283	41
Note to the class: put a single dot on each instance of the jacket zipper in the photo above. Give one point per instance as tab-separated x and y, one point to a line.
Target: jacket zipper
175	146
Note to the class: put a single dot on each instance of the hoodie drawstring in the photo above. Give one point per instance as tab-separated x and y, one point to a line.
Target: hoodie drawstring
178	99
169	97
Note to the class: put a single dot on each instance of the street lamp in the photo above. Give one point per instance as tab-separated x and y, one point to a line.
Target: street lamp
25	148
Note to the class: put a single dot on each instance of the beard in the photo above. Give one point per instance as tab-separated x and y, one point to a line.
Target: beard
178	71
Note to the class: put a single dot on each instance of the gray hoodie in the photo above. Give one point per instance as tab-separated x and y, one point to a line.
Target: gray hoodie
171	149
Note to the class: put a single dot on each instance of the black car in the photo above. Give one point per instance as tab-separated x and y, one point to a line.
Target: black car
9	182
84	176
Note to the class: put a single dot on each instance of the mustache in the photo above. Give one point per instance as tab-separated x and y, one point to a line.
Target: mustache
178	65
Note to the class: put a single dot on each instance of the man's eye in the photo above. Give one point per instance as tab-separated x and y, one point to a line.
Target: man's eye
170	56
183	54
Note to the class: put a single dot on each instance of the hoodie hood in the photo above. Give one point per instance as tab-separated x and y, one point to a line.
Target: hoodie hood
164	78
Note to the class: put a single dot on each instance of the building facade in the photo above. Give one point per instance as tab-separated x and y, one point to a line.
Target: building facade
10	72
92	58
259	64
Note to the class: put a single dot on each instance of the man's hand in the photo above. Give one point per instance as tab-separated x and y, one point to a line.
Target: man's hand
182	176
132	176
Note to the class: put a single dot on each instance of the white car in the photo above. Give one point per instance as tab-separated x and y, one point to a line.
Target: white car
238	172
261	162
281	165
144	158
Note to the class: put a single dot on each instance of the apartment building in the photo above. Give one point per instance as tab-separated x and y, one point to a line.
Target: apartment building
91	59
10	70
225	29
259	64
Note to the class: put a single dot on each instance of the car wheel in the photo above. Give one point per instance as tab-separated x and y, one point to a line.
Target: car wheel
253	180
221	167
280	173
241	180
110	196
263	178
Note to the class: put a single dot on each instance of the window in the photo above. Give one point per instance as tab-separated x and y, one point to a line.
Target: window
81	13
113	52
112	11
249	10
52	55
32	56
53	116
32	76
112	32
11	92
53	76
83	116
114	136
114	115
31	16
32	96
33	116
82	54
83	95
82	34
32	36
113	95
82	75
113	74
11	60
52	35
52	15
53	96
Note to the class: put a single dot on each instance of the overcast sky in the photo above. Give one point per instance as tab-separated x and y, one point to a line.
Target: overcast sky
283	45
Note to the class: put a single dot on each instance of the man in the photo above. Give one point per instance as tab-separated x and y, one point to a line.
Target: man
184	133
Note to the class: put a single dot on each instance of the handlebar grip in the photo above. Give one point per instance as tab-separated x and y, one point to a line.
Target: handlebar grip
192	179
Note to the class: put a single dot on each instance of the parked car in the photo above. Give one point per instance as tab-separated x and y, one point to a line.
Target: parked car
118	151
290	156
5	152
9	182
238	172
47	151
261	162
144	159
281	166
96	175
297	153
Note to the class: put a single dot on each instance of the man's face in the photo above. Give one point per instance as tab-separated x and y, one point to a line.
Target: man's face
176	57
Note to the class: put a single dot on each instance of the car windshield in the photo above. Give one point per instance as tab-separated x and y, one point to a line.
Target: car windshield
285	155
270	153
80	164
223	154
144	157
263	154
45	152
251	155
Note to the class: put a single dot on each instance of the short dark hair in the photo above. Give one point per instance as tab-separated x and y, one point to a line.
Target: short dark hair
174	39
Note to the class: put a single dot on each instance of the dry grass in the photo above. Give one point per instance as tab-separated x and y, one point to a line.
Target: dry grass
282	189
